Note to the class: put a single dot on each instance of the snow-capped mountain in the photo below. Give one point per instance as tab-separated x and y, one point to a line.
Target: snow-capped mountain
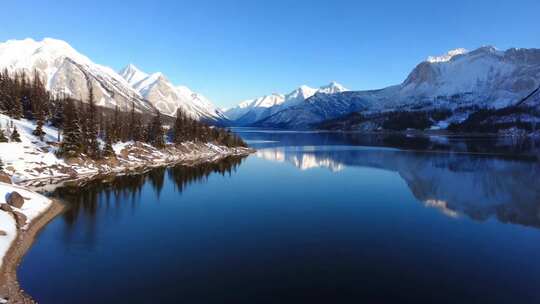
167	98
484	78
66	71
253	110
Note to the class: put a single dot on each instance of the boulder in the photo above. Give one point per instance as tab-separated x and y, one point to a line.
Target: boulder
4	178
20	219
6	208
15	199
2	233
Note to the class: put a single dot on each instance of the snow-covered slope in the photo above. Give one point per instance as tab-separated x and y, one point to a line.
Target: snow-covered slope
253	110
457	81
66	71
167	98
132	74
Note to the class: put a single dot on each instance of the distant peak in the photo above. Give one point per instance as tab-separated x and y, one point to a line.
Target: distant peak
489	49
132	74
131	68
305	87
448	56
333	87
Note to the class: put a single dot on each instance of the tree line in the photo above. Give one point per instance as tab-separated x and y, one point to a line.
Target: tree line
85	128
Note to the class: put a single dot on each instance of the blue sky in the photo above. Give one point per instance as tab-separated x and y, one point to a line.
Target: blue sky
236	50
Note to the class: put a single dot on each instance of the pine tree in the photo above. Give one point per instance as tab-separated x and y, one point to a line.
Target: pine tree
92	148
108	150
15	136
1	165
14	92
71	144
58	115
134	131
38	104
83	122
3	92
116	125
156	132
179	127
3	137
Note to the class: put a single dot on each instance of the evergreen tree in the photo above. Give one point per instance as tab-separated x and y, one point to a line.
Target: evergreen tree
178	130
83	122
116	125
15	109
1	165
134	129
71	144
92	148
155	132
24	89
15	136
138	129
3	137
4	81
108	150
58	115
38	104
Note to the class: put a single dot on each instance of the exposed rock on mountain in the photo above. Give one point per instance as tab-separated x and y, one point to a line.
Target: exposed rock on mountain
167	98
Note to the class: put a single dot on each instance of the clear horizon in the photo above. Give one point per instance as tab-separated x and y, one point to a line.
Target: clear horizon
237	50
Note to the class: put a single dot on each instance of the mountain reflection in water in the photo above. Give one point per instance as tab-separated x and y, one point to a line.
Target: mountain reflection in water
459	178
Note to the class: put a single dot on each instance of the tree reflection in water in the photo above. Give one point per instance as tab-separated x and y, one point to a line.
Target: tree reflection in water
89	197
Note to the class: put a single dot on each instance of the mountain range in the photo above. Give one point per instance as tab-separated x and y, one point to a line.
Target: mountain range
440	92
254	110
481	90
66	71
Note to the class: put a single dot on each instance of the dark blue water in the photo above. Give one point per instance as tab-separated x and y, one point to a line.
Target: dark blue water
325	218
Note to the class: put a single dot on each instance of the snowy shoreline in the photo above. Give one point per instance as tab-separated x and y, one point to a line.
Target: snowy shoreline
39	210
32	164
10	290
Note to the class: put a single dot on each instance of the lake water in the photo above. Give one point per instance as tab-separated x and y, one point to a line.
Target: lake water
311	217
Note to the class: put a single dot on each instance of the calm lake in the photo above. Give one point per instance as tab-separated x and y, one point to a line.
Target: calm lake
311	217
